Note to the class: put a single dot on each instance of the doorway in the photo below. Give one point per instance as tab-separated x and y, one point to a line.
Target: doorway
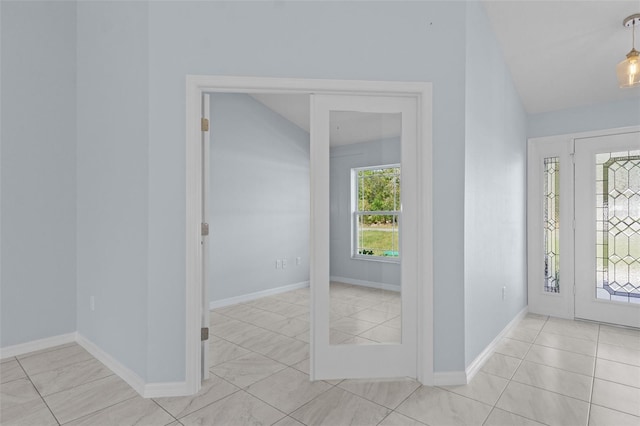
584	226
196	87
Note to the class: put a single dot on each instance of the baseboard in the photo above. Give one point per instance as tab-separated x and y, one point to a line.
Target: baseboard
37	345
132	379
477	363
159	390
146	390
214	304
449	378
372	284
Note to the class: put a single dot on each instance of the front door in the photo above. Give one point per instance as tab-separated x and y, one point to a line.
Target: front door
607	228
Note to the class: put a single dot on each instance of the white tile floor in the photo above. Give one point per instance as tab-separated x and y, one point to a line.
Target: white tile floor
546	371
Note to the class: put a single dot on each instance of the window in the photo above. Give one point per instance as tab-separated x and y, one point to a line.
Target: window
376	212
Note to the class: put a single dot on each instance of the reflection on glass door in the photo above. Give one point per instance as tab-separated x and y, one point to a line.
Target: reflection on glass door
364	233
365	215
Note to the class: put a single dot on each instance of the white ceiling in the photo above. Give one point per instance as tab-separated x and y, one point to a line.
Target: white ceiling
563	54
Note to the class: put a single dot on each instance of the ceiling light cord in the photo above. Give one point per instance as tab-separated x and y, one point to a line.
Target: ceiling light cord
628	71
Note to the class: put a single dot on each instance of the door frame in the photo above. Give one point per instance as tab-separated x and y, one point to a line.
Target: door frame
560	305
196	86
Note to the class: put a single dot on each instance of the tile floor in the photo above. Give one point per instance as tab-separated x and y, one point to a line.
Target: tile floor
545	371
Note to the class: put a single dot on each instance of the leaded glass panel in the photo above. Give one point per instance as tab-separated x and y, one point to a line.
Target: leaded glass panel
551	227
618	226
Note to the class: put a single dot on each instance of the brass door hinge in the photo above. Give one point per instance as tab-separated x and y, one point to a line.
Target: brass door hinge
204	124
204	334
204	229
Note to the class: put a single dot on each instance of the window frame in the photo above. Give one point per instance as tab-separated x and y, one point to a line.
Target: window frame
355	213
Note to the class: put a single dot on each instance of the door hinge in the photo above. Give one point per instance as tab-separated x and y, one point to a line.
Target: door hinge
204	124
204	334
204	229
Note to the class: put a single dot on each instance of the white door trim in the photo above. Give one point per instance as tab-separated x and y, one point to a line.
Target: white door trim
562	305
196	86
540	302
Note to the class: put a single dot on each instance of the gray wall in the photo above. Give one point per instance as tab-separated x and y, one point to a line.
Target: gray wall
343	159
112	182
38	193
256	38
132	58
594	117
495	190
259	198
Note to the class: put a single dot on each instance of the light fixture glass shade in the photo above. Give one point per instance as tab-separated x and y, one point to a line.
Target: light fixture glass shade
629	70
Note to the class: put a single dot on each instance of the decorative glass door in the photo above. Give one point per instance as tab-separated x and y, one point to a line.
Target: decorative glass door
607	228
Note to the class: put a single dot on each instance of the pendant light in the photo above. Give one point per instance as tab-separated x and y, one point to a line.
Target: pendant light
629	70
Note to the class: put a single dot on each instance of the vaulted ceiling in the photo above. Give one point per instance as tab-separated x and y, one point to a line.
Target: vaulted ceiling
563	54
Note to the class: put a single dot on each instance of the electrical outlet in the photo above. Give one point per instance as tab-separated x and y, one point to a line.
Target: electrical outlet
92	303
278	264
284	263
504	293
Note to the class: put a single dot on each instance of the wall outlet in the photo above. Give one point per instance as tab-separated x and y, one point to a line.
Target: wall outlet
92	303
284	263
298	260
504	293
278	264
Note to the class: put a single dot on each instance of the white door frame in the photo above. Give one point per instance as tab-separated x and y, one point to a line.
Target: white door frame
559	305
196	86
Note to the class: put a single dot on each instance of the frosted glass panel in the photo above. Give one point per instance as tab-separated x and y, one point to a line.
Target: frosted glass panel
618	226
551	226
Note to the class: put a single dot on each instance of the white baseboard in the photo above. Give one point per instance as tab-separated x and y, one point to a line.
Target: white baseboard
37	345
159	390
372	284
477	363
214	304
449	378
132	379
146	390
453	378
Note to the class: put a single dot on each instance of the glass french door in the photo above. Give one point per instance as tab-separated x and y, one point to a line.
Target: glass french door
363	233
607	228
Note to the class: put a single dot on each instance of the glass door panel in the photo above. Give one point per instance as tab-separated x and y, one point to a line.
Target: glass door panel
365	204
608	229
364	222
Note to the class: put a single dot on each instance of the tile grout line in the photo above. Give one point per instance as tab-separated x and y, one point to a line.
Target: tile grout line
593	379
163	409
39	394
514	373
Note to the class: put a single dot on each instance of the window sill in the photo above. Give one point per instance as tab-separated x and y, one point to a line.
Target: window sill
381	259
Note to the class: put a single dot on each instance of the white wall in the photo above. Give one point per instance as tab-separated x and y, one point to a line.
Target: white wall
343	159
259	198
593	117
38	194
495	189
112	179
